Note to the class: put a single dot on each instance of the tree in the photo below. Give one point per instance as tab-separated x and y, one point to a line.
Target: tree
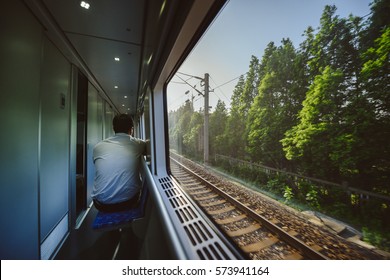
234	134
376	76
378	21
376	87
277	104
193	138
179	125
334	45
250	89
318	124
217	125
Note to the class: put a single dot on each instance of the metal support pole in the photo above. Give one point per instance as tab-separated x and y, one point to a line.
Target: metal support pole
206	118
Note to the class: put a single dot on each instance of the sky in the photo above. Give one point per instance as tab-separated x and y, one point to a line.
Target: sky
242	29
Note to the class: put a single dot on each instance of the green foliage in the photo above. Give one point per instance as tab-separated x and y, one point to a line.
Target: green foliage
376	76
288	193
275	107
312	198
377	57
217	124
319	122
377	238
191	139
234	134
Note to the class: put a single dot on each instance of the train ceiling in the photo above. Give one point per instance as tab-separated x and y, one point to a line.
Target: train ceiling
124	45
107	36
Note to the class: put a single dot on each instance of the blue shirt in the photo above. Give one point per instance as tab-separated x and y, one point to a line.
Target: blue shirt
117	164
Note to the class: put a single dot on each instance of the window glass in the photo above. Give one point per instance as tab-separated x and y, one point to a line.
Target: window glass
297	106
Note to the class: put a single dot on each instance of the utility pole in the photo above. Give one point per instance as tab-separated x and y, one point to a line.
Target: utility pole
206	118
205	81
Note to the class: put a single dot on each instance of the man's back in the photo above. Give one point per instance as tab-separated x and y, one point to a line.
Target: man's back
117	164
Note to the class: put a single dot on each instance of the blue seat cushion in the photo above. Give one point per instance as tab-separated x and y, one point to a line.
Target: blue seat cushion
115	220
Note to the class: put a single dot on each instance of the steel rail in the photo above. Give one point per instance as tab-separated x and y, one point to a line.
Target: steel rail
291	240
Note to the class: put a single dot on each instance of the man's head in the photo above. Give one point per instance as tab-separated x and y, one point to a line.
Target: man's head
122	123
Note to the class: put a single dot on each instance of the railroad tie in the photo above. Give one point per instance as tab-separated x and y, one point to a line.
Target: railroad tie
294	256
231	219
212	195
221	211
243	231
275	221
293	233
316	247
213	203
189	184
200	192
255	247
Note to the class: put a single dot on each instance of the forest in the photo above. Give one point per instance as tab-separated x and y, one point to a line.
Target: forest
321	110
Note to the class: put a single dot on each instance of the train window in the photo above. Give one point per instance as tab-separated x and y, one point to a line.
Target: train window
294	102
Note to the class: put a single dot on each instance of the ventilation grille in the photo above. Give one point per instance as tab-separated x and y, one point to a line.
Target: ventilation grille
206	244
213	252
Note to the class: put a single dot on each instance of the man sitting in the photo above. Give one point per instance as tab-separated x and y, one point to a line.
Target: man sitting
117	162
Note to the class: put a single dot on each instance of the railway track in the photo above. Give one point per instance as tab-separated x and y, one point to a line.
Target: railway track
255	235
263	228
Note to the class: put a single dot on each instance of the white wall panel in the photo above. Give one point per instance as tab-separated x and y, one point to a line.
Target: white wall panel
54	157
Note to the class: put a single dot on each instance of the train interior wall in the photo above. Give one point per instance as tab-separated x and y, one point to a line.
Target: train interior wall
20	55
42	130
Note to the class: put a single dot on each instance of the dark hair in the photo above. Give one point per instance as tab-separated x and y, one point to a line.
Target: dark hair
122	123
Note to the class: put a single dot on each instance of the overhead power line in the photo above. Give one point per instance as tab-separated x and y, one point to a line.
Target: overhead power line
230	81
192	76
190	85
